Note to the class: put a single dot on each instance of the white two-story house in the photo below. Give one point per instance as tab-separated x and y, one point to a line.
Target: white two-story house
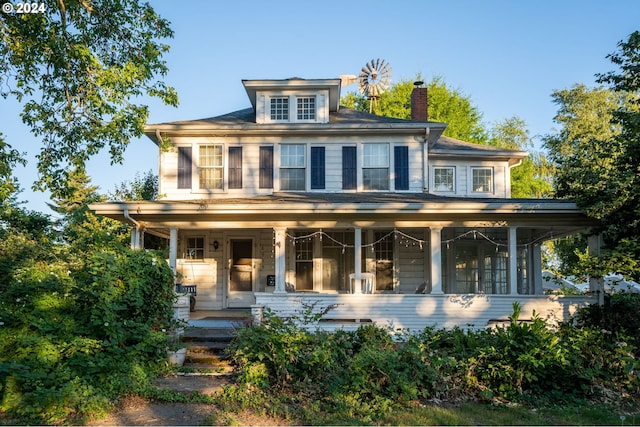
297	201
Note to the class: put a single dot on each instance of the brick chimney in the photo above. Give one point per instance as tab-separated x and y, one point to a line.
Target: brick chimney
419	103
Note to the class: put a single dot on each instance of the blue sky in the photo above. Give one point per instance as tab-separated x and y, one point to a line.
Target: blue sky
508	56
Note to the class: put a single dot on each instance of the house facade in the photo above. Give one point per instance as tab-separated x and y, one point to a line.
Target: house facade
297	202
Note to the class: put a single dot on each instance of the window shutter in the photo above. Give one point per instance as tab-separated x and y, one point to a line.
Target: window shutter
266	167
235	167
317	168
349	168
401	163
185	164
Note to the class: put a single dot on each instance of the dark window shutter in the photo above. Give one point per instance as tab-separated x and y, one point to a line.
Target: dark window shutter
349	168
235	167
266	167
401	163
317	168
184	167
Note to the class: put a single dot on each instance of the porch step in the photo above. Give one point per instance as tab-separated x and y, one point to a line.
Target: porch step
206	349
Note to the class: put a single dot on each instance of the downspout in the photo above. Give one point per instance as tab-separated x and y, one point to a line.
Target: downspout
135	238
508	182
425	161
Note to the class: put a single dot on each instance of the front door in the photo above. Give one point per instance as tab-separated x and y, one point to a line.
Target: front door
240	292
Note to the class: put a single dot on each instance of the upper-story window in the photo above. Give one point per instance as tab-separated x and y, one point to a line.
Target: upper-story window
292	167
306	108
211	167
280	108
482	180
443	179
288	106
375	167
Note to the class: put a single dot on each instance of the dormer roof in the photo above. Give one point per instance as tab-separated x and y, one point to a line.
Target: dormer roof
295	83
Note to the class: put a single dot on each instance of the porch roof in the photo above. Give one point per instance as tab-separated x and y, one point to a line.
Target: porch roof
326	210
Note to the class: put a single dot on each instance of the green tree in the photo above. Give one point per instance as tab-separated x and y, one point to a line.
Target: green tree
143	187
464	122
9	158
597	156
80	227
532	178
448	105
79	68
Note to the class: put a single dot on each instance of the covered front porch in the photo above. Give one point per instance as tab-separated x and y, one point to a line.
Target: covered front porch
435	259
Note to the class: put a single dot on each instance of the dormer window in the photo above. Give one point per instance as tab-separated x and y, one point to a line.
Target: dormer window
280	108
306	108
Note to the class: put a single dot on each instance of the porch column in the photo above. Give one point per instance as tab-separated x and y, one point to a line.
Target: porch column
137	237
596	284
435	248
173	250
536	268
280	251
357	263
513	261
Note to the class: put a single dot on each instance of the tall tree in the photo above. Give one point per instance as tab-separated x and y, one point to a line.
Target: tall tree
597	154
448	105
78	67
532	178
143	187
464	121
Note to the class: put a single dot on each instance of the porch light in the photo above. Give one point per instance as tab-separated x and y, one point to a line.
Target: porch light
216	245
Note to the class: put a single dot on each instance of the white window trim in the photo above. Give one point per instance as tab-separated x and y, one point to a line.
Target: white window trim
433	179
492	186
195	177
307	170
263	106
362	167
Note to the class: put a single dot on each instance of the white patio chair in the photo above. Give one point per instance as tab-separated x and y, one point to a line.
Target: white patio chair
367	282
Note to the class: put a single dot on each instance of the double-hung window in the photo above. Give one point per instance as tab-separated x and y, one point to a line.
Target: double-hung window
443	179
292	167
375	167
482	180
211	167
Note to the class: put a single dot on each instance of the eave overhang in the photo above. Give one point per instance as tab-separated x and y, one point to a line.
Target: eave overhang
271	211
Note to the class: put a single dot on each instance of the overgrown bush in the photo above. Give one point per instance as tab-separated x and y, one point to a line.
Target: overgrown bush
372	369
75	335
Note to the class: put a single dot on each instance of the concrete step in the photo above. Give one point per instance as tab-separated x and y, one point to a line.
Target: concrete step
199	334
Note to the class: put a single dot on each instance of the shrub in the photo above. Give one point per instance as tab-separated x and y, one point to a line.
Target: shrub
75	336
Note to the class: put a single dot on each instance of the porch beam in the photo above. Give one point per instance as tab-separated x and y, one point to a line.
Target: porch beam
280	253
173	250
435	248
513	261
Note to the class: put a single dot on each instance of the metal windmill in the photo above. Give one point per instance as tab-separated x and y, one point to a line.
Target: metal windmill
374	80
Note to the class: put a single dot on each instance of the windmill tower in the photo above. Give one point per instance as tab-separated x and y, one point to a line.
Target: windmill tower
374	80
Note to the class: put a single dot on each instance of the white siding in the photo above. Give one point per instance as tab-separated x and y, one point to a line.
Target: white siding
463	177
415	312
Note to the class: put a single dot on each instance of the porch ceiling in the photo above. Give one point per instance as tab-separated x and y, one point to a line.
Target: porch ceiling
315	210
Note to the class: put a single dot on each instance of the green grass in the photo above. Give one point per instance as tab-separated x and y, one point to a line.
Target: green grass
236	406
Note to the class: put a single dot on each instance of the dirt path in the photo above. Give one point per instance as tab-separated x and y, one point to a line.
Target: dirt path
137	411
140	412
